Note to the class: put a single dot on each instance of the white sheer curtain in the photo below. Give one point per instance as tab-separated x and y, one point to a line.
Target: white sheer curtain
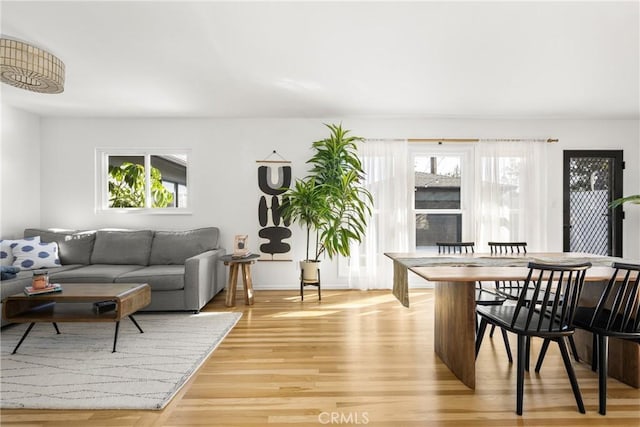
386	165
510	198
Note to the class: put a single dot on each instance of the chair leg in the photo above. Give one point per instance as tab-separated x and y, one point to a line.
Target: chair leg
574	349
520	372
527	353
301	290
543	352
571	373
603	360
493	328
480	335
506	343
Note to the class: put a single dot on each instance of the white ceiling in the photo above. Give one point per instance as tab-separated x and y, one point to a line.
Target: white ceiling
334	59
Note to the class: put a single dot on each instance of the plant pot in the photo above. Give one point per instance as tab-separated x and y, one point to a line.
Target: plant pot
310	270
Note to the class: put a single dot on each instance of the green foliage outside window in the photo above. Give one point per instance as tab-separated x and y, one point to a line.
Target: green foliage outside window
127	187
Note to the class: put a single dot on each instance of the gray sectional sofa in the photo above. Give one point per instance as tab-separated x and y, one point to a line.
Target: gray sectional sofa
181	267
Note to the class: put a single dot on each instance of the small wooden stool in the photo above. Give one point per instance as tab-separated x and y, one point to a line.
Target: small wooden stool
304	282
234	267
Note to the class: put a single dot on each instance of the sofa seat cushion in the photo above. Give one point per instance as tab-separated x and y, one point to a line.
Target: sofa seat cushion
54	271
22	274
122	247
173	247
14	286
95	273
23	278
159	277
73	247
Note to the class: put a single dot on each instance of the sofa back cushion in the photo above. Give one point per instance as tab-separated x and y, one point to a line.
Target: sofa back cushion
122	247
73	247
174	247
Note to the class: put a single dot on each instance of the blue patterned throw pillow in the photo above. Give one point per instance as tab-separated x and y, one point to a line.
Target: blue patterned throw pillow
6	254
7	245
35	255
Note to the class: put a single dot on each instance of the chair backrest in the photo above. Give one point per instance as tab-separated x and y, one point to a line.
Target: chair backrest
455	247
619	305
508	247
557	288
497	248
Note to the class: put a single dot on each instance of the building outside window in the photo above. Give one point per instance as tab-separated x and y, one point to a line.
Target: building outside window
439	198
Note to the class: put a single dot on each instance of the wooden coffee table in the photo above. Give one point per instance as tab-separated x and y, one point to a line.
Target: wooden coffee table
75	304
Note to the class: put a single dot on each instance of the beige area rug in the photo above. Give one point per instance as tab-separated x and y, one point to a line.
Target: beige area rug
77	370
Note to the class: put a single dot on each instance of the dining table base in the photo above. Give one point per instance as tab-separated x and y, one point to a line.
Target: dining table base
454	329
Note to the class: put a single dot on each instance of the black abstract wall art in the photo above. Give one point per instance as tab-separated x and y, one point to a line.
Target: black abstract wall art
274	178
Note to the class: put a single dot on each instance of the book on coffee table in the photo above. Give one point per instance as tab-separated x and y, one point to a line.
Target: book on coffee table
54	287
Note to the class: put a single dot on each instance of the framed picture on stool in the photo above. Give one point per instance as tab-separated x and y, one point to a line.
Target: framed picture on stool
240	246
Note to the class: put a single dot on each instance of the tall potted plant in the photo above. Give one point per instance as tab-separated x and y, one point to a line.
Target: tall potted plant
331	201
305	204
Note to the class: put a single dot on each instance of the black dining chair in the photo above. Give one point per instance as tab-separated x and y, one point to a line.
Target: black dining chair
552	319
484	296
511	288
508	247
456	247
616	314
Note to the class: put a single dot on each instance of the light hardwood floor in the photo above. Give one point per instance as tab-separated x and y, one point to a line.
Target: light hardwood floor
356	358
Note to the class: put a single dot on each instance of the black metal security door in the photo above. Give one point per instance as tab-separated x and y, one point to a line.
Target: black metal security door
592	179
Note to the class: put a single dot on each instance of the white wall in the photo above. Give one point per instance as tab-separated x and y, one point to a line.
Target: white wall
19	171
572	135
223	185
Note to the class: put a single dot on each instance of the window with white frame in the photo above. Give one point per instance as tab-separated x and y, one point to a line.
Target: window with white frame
142	180
442	193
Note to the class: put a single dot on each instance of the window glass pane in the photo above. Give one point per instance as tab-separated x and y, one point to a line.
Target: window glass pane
131	179
171	188
167	173
432	228
126	181
437	182
501	183
182	196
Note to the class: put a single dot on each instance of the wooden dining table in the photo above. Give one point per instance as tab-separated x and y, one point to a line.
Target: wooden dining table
455	277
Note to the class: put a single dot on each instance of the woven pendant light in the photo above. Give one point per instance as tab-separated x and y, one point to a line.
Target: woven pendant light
28	67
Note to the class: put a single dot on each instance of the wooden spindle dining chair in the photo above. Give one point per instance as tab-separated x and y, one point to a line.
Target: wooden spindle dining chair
559	287
511	288
616	314
508	247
